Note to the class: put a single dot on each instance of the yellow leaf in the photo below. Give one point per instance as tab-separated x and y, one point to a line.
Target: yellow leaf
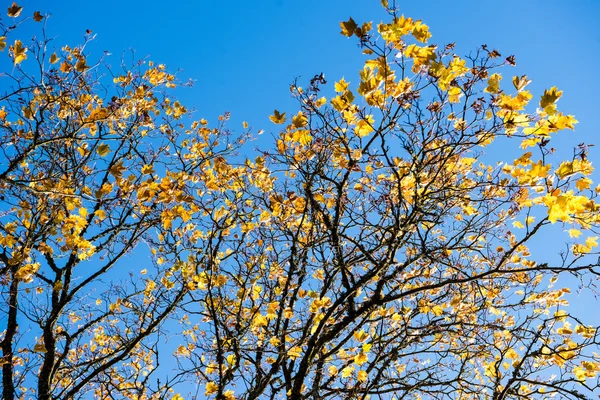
117	169
19	53
277	117
65	67
54	58
147	169
341	85
299	120
2	43
39	348
511	354
103	150
211	388
245	125
259	320
302	136
565	169
574	233
550	97
294	352
454	94
361	335
14	10
346	372
583	183
363	127
348	27
81	66
362	376
361	358
521	82
420	32
493	84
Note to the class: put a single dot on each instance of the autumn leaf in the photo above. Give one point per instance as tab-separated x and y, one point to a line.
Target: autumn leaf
348	27
2	43
277	117
103	150
211	388
341	86
18	52
583	183
54	58
148	170
454	94
493	84
81	66
117	169
299	120
363	128
574	233
65	67
14	10
37	16
548	99
39	348
362	376
520	82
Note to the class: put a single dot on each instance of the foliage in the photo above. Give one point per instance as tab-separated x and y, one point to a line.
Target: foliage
377	250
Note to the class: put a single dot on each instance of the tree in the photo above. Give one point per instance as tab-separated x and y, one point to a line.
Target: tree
89	173
378	250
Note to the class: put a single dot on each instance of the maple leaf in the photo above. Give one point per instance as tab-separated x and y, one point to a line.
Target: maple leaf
14	10
277	117
19	53
2	43
81	66
348	27
493	84
550	97
103	150
54	58
37	16
341	85
211	388
65	67
521	82
117	169
299	120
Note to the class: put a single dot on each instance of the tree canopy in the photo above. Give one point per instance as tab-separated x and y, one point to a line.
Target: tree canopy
379	248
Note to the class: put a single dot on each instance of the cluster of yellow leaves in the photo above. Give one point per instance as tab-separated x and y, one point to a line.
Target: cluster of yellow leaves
393	33
446	74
